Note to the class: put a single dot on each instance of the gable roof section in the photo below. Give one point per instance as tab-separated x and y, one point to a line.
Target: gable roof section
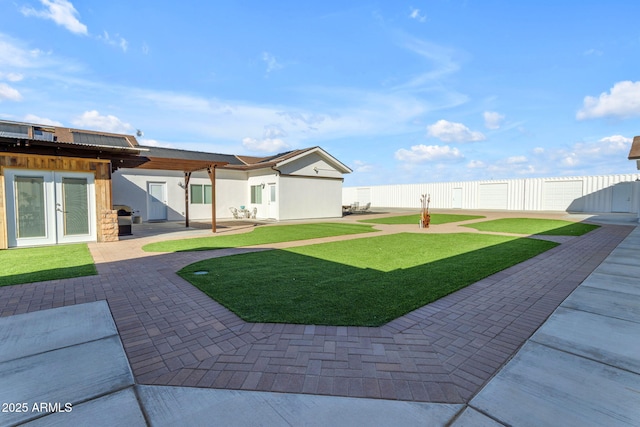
339	166
634	153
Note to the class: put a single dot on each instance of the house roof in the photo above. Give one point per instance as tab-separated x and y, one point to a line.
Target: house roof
184	160
281	159
634	153
27	138
17	136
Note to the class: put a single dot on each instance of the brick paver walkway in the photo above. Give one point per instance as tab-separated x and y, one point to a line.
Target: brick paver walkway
443	352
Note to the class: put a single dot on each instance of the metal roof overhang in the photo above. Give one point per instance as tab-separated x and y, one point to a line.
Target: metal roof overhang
119	156
183	165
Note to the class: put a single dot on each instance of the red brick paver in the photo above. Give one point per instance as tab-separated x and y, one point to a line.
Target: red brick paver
443	352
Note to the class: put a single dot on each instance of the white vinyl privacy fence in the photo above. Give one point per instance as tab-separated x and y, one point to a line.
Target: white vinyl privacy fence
607	193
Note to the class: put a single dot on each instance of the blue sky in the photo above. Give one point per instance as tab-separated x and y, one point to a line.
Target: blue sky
401	92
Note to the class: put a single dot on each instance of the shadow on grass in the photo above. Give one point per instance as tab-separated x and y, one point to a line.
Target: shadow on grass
534	226
280	286
49	274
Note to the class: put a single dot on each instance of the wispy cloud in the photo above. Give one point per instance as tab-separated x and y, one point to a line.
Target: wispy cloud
453	132
493	120
61	12
623	101
272	63
32	118
115	40
417	15
7	93
593	52
441	58
95	121
423	153
271	141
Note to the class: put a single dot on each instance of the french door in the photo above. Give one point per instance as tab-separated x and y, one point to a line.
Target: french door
46	207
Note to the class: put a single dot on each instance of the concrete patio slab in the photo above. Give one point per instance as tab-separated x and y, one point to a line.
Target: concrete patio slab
116	409
68	375
543	386
605	339
616	269
29	334
630	285
171	406
622	305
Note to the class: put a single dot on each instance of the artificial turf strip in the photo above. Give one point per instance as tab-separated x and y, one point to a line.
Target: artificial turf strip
260	236
415	219
27	265
361	282
549	227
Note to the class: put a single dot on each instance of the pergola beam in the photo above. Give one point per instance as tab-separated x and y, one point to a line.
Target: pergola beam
211	171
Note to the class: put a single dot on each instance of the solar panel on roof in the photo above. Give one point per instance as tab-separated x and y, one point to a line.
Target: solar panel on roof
94	139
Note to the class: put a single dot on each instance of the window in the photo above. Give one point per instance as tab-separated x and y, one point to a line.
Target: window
256	194
200	194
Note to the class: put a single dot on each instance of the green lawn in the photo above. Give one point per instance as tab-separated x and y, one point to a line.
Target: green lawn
549	227
29	265
361	282
259	236
415	219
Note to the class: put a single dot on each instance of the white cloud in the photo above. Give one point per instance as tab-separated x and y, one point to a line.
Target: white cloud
61	12
15	55
32	118
453	132
538	150
94	121
362	167
514	160
9	93
272	63
116	40
266	145
415	14
493	120
595	52
11	77
476	164
623	100
422	153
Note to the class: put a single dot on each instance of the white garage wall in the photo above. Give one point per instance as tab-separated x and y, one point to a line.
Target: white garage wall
527	194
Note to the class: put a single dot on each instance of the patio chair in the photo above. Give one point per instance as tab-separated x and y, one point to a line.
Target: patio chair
354	207
253	213
235	213
365	208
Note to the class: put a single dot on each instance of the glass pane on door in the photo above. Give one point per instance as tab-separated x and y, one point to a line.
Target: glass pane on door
75	206
30	207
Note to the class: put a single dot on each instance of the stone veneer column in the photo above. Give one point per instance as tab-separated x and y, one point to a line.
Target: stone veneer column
108	226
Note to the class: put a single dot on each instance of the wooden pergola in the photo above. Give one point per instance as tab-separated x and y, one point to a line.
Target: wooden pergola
188	166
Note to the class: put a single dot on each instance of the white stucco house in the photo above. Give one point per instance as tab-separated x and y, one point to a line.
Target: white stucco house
298	184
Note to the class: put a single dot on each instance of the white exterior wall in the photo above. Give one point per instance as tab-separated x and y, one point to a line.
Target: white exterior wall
306	198
526	194
264	179
130	188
